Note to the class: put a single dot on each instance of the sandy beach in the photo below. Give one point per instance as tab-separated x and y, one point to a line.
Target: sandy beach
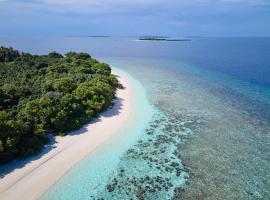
30	179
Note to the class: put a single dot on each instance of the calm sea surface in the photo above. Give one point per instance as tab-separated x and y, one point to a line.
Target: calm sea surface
208	136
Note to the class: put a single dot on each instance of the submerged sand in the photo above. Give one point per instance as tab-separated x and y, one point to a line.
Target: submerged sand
31	179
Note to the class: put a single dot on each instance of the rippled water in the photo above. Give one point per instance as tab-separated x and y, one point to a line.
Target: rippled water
209	134
226	153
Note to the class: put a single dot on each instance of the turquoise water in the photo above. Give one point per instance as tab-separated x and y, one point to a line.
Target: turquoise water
203	120
226	153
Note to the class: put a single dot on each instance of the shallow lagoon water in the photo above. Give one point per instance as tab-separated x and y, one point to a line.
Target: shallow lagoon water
209	134
227	154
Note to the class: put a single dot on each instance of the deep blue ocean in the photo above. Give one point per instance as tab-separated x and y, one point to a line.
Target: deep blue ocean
209	137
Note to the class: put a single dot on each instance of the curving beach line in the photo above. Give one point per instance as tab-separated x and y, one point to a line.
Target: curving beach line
34	177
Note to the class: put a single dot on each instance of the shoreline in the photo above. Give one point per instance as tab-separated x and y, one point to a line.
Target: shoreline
30	178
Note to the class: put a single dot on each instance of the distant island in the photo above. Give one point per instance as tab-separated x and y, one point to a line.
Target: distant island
159	38
51	93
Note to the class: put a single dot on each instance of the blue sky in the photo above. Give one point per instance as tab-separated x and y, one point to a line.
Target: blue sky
135	17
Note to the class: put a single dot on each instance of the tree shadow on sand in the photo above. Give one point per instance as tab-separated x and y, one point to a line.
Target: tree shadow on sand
20	163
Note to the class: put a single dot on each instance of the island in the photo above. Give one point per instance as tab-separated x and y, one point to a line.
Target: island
160	38
41	94
55	111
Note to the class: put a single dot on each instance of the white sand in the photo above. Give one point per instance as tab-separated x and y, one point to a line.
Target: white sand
35	177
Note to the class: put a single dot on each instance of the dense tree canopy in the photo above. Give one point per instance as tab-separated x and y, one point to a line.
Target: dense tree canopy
48	93
8	54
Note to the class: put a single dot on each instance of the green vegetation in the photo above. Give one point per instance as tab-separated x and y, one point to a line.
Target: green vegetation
152	39
158	38
48	93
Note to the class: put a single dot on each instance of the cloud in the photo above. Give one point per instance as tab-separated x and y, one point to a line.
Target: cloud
250	2
103	6
133	15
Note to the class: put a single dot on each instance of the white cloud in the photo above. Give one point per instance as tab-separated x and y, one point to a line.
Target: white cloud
81	7
247	2
89	4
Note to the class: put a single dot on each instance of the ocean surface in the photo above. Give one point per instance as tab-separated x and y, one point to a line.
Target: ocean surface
203	120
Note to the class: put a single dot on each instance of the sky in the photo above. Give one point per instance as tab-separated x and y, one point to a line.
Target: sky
135	17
